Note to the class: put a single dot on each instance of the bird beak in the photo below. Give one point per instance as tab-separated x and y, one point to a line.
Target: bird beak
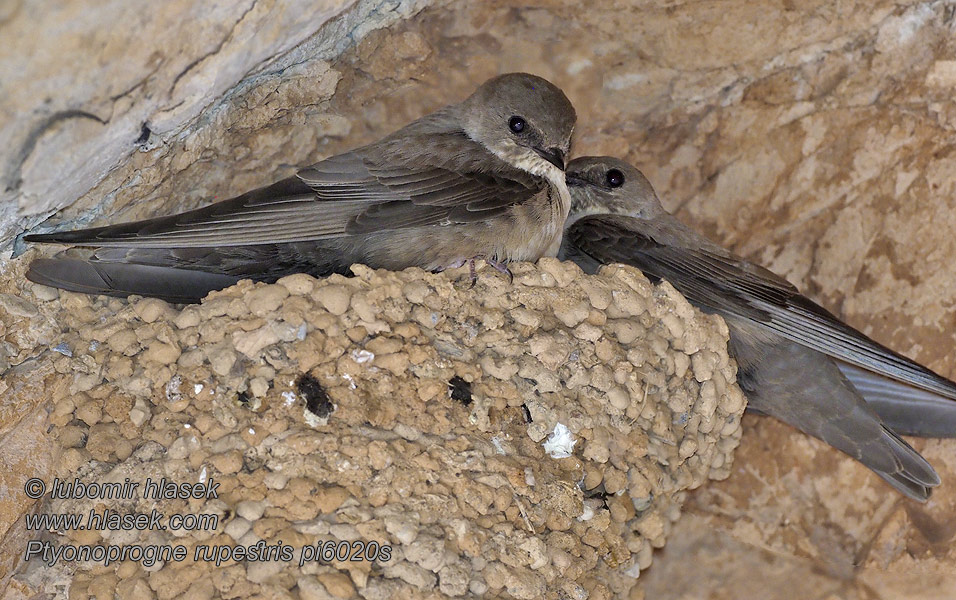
555	156
574	180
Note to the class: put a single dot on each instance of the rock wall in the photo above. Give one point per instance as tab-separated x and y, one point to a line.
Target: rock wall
86	86
814	137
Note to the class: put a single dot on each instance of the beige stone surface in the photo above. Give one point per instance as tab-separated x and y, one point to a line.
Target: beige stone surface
805	522
92	89
814	137
27	449
422	417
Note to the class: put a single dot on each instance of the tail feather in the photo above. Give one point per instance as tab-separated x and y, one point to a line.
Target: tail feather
852	427
913	467
908	488
124	279
776	376
188	274
914	477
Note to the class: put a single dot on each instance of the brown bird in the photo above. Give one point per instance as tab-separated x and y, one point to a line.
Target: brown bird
482	179
796	361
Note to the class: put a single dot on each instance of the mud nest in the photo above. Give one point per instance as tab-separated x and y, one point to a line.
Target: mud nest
515	440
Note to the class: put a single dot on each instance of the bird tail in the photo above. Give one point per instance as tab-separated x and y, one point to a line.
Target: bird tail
826	405
125	279
903	408
915	477
850	425
188	274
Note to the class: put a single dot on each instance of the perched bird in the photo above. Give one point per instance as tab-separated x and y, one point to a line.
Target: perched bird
796	361
482	179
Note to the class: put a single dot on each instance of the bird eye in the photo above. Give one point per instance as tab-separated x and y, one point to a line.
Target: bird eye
516	124
615	178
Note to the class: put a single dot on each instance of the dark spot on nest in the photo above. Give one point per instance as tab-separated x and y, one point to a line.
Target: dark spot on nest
317	400
459	390
598	492
527	413
144	134
251	463
244	397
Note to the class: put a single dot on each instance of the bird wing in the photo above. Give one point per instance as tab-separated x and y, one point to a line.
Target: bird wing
417	179
902	408
720	282
284	211
409	179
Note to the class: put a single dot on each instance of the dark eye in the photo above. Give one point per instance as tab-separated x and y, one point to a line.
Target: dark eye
615	178
516	124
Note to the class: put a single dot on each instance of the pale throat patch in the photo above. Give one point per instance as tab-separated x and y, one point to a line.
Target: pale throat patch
534	164
527	160
555	176
530	162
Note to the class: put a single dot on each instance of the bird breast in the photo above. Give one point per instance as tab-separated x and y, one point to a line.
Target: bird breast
538	225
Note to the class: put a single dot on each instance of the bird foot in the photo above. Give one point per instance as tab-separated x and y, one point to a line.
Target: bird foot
501	267
458	263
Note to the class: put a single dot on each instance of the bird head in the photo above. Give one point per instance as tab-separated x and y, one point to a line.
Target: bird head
603	184
525	120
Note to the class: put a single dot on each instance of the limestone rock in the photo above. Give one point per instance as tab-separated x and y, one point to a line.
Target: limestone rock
812	137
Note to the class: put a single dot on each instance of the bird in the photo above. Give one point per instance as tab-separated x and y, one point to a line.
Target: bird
480	179
796	361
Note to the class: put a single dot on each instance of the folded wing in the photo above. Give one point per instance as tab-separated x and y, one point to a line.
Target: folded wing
722	283
439	179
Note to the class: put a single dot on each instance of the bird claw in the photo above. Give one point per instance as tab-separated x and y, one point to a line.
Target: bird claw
501	267
458	263
473	273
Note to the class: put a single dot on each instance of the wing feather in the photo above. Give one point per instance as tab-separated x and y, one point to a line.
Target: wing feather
409	179
721	282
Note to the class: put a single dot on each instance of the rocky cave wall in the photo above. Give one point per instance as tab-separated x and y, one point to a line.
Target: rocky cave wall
816	138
